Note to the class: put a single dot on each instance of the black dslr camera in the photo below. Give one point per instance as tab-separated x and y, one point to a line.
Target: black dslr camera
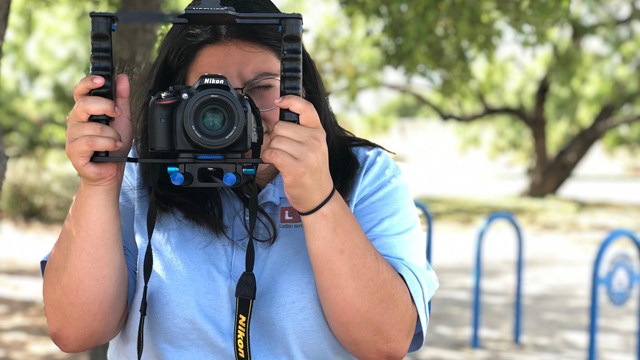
208	118
202	133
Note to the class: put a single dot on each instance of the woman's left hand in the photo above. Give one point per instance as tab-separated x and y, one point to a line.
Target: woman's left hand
300	153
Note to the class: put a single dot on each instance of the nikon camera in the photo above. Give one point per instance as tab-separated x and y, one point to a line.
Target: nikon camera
209	117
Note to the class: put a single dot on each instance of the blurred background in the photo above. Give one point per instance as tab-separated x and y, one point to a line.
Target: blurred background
529	108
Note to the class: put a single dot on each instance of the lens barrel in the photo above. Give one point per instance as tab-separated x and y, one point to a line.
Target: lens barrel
214	119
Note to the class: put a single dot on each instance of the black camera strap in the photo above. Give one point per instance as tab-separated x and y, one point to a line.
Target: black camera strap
148	266
245	289
148	260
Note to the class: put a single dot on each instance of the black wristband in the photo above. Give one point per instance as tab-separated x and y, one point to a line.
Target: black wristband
323	203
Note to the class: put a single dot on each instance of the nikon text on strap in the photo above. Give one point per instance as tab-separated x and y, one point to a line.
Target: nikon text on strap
246	288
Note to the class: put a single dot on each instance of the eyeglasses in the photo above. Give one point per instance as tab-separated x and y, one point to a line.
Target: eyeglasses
263	92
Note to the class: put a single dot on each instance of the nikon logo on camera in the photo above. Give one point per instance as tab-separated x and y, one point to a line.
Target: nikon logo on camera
212	81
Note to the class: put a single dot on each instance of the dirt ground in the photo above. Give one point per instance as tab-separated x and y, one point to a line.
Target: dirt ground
556	288
23	332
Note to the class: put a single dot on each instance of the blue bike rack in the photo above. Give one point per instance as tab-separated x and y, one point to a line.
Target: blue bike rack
615	295
475	343
429	218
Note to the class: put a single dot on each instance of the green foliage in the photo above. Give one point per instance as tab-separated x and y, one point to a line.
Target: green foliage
500	138
346	51
175	6
440	39
46	52
627	135
467	52
39	189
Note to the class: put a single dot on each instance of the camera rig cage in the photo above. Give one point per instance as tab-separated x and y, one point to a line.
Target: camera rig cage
205	12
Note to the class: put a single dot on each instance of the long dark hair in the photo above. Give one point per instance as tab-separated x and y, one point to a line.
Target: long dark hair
176	53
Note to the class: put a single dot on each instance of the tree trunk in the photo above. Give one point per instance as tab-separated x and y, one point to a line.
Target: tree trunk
134	41
539	174
5	5
556	172
562	166
538	126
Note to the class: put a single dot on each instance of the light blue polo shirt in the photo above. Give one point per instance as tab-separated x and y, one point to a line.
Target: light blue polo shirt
191	296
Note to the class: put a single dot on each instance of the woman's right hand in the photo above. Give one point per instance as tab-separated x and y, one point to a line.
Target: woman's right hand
85	137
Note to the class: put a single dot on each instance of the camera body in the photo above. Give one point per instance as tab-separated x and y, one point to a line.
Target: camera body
209	117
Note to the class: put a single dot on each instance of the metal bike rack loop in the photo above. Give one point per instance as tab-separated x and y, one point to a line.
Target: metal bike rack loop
475	343
607	281
429	218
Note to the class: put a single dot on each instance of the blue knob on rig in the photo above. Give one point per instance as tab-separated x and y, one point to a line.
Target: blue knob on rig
231	179
177	178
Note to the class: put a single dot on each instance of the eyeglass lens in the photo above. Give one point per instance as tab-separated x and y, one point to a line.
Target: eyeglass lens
263	92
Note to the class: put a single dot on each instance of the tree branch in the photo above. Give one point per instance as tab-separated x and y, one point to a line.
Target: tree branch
603	122
612	123
541	98
579	30
4	21
486	110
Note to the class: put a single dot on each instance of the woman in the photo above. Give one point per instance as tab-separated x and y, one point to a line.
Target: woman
347	280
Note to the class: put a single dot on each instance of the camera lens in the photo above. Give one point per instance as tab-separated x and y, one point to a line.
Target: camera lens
213	119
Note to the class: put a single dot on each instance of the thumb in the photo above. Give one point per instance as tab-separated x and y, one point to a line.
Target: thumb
122	123
122	94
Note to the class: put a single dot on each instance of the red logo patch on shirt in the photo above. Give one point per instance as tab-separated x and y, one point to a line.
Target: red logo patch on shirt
289	215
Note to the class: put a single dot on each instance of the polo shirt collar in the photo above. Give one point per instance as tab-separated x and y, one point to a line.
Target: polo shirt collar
272	192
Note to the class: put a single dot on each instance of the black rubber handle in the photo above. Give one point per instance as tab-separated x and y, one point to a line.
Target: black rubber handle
291	64
101	62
